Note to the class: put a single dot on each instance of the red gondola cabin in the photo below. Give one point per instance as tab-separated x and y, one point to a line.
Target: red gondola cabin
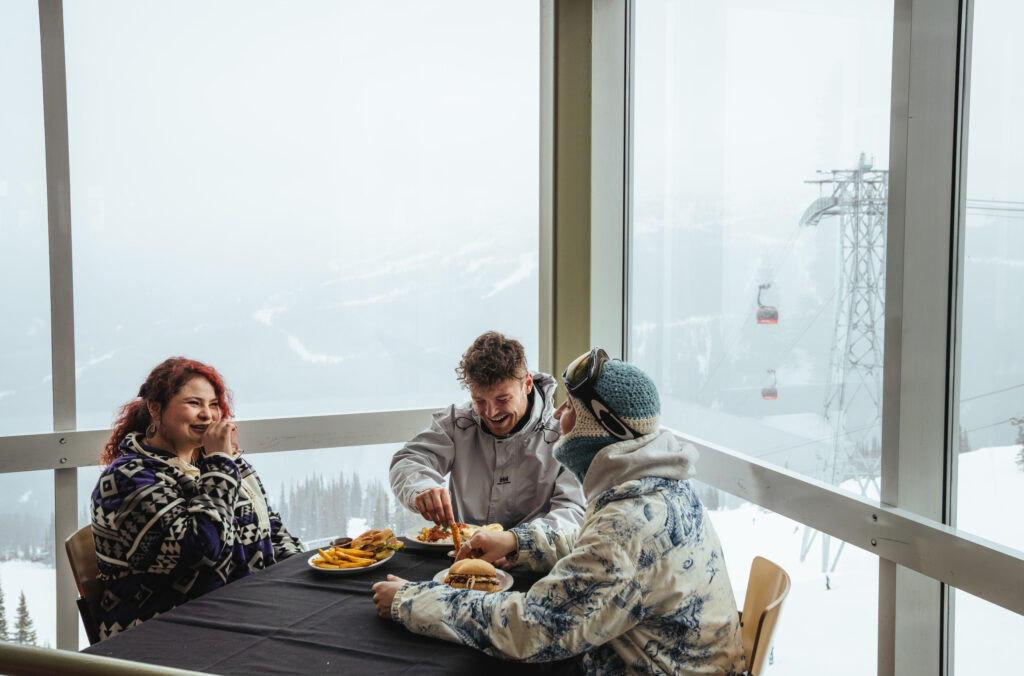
766	314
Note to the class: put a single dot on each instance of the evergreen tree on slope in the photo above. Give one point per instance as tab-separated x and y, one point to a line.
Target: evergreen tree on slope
1019	422
3	617
24	628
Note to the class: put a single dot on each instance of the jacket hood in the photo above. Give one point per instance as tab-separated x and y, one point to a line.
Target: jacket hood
545	385
653	455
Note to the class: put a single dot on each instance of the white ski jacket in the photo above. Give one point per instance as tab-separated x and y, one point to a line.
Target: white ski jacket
641	588
508	480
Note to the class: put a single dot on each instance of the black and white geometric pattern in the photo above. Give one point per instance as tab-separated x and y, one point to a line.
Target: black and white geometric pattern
165	535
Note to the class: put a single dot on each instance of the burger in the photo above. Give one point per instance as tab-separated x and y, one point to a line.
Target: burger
382	543
472	574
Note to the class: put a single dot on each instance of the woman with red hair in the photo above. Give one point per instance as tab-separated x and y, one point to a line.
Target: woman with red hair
177	512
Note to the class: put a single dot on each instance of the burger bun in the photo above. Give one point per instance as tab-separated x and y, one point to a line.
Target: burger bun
472	567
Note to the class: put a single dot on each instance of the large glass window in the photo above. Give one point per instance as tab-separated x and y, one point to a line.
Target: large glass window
758	241
991	459
983	632
27	557
26	401
338	492
760	166
326	201
843	601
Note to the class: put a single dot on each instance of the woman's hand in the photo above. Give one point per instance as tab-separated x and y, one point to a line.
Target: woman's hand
222	437
384	594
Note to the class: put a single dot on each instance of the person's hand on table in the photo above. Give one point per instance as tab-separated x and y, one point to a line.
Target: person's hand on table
491	546
384	594
435	504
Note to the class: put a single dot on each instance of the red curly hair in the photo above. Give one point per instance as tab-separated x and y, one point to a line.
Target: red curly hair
163	383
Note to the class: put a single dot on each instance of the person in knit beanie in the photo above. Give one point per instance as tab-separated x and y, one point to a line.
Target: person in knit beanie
634	410
640	587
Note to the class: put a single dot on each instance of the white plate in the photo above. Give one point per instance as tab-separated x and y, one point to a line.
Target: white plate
413	535
504	579
346	571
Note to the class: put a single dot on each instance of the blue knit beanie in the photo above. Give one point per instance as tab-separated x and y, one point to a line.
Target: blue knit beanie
630	394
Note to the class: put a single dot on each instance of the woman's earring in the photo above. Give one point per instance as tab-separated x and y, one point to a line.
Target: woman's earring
151	430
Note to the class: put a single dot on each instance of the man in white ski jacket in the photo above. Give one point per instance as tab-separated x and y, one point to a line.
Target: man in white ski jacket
642	587
495	451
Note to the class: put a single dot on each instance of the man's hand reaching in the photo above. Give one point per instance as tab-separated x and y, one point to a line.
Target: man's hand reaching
435	504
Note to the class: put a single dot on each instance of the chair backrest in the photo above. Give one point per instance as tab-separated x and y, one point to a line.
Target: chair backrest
767	588
82	555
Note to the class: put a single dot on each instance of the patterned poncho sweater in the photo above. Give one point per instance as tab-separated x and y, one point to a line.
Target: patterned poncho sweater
167	532
640	588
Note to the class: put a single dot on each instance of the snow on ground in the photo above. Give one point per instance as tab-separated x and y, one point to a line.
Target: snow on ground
818	622
990	504
810	425
991	495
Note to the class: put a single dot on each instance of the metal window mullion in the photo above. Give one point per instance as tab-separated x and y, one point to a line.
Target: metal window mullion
919	319
53	450
571	227
957	254
609	167
62	313
627	188
590	177
546	242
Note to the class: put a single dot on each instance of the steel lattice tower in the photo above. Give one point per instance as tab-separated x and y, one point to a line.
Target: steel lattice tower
853	389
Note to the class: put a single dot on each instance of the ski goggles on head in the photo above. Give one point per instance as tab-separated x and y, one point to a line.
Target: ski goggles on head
580	377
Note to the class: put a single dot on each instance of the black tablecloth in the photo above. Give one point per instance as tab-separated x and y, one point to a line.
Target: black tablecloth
291	619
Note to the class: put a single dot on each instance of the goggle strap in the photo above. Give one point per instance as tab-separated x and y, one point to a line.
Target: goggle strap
610	422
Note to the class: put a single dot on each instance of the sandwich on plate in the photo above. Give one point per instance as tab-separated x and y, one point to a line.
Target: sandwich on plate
381	543
473	574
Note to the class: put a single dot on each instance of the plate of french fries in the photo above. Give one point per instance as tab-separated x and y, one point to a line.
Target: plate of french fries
369	550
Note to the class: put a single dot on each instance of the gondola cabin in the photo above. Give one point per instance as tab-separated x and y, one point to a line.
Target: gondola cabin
770	392
766	314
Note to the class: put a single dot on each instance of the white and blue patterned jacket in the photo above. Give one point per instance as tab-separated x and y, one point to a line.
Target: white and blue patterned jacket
640	588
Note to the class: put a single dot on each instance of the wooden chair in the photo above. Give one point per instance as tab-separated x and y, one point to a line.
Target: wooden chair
82	555
767	588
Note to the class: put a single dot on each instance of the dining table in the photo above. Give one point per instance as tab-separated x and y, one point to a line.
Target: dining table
291	618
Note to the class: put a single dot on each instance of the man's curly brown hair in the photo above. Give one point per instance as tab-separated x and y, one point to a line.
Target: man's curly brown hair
491	359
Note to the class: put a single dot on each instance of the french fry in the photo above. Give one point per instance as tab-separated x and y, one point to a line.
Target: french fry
334	565
354	565
338	555
353	552
456	538
328	566
324	563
